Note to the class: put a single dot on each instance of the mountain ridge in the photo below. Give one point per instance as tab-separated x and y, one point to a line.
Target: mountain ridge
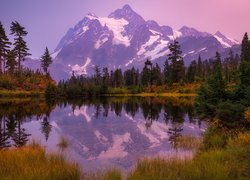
124	39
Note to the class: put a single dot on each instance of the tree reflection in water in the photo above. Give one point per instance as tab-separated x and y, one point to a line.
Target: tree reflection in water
13	113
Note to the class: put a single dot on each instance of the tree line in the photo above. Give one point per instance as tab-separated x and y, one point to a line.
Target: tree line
103	81
216	99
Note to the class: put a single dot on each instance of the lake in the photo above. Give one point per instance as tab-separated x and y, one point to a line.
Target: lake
102	132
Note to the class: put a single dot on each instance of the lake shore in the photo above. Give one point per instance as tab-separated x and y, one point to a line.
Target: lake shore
20	94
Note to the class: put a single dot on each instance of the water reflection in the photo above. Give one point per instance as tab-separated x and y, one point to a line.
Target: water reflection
102	132
13	113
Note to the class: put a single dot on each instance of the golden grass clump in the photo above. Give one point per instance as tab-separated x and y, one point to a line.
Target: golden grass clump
189	142
32	162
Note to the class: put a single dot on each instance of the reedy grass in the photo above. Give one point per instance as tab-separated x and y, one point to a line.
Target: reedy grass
110	174
189	142
32	162
231	162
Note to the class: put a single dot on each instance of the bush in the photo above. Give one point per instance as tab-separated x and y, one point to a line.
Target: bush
6	82
214	139
229	114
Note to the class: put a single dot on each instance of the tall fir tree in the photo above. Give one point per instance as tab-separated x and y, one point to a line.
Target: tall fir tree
11	62
200	68
243	88
146	76
20	46
46	60
166	72
177	72
212	92
245	48
191	72
4	48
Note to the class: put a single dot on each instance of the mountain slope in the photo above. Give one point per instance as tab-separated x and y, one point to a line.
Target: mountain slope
125	39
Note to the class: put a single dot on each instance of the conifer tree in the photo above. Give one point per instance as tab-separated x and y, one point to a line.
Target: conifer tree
199	68
4	48
212	92
243	88
46	60
191	72
11	62
146	73
177	72
245	48
156	75
20	46
166	72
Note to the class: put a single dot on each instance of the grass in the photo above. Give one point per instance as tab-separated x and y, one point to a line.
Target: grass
32	162
111	174
189	142
231	162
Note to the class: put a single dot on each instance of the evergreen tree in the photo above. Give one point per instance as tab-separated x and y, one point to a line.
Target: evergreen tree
156	75
105	77
146	74
166	72
4	48
212	92
11	62
20	46
245	49
118	78
105	80
200	68
46	60
243	88
177	72
191	72
97	75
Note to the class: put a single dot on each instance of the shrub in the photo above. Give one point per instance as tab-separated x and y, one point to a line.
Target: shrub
6	82
230	114
214	139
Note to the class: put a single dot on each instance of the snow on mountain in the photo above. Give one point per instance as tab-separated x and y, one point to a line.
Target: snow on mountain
124	39
225	41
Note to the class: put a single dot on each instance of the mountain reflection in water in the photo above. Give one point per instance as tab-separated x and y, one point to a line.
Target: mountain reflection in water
103	132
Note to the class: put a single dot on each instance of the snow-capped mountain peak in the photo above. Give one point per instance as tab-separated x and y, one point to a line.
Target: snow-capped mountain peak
226	42
124	39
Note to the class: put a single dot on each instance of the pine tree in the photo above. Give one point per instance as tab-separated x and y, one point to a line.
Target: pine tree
156	75
191	72
97	76
177	72
11	62
20	46
146	73
200	68
243	88
166	72
4	48
46	60
212	92
245	49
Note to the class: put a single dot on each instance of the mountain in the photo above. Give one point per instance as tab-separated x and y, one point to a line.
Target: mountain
124	39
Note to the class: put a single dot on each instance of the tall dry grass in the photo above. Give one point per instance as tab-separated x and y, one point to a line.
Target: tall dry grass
32	162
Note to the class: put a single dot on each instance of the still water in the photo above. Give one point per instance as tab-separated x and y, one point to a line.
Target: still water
102	133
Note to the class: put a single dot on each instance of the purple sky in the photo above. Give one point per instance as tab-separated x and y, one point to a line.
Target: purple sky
48	20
